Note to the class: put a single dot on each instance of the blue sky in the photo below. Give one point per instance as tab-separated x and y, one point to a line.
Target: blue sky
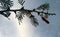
11	28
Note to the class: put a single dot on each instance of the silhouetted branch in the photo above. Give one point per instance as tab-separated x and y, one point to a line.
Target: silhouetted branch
6	4
34	21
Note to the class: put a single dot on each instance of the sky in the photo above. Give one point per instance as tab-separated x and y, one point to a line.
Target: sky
10	28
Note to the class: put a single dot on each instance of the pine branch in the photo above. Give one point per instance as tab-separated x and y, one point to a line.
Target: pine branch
34	21
6	14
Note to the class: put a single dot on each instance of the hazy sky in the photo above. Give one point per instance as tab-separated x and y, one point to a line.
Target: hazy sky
10	28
